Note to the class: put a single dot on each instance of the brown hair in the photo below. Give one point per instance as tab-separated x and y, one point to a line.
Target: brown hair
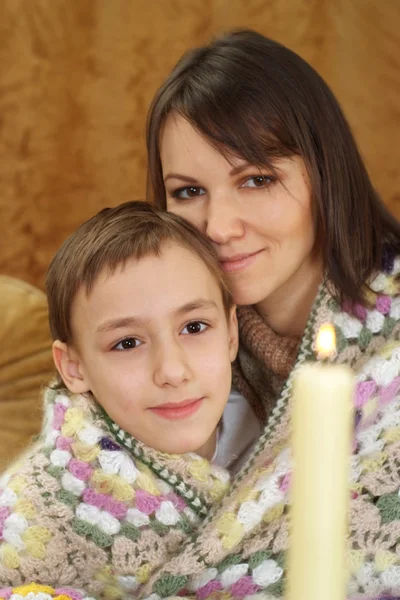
252	97
115	235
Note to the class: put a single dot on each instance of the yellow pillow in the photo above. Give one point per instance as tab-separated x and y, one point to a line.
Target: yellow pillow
26	364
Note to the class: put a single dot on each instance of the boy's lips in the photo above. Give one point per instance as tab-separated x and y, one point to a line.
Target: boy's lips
178	410
238	261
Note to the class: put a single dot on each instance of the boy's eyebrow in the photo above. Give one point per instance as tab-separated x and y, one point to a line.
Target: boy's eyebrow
121	322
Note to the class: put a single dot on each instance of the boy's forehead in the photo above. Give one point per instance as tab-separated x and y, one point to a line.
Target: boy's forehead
148	286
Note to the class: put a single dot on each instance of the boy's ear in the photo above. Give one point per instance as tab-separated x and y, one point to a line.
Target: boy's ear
69	366
233	333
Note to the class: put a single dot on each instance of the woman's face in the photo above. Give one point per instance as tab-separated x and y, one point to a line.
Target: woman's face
261	227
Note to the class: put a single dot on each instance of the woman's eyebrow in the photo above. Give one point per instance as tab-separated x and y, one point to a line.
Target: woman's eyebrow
181	177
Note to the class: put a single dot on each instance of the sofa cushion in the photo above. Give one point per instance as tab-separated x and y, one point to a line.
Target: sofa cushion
26	364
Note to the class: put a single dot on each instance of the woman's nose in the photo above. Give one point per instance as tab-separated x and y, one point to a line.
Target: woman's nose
171	367
223	221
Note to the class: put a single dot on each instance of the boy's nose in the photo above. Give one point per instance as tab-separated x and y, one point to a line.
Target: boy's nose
171	366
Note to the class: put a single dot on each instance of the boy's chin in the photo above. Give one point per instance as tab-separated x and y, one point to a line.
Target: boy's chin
204	446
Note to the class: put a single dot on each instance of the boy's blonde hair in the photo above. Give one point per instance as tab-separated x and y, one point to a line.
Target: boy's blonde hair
115	235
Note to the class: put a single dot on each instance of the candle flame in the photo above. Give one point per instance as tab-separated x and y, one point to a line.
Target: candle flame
326	340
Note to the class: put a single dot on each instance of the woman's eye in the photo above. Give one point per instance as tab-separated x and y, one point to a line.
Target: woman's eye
258	181
127	344
188	192
194	327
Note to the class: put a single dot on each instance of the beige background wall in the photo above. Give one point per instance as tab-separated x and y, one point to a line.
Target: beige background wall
76	77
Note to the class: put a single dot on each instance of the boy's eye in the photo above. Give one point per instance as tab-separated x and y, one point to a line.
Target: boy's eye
257	181
127	344
194	327
188	192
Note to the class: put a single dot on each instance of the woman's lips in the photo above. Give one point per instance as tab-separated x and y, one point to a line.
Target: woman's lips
239	262
178	410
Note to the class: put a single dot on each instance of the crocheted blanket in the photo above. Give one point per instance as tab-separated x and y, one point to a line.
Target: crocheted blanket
92	512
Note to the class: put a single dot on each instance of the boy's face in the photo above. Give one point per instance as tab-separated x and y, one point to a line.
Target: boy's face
152	342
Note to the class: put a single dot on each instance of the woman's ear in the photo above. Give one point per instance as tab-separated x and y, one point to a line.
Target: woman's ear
233	333
69	366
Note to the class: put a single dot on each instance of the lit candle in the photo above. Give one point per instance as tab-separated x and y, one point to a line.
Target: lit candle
321	443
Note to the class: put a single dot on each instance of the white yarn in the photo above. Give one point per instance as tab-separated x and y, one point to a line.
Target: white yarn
72	484
108	523
128	583
88	513
90	435
8	498
391	578
378	283
60	458
16	523
167	513
349	325
267	573
250	514
14	539
117	462
136	517
63	399
201	580
375	321
395	309
232	574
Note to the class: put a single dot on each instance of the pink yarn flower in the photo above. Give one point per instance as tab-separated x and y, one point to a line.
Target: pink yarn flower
147	503
387	393
115	507
176	500
364	391
80	469
64	443
93	498
244	587
210	587
360	312
4	514
5	592
285	482
65	591
59	414
383	304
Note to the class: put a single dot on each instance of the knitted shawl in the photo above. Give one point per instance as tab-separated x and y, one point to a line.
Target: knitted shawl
92	512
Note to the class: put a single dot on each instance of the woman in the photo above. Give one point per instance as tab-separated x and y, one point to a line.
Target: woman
247	142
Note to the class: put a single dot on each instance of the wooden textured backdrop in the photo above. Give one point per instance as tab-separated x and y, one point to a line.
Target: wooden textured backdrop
76	78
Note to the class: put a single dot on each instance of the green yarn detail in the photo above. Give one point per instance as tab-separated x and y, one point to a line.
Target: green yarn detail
101	539
55	472
170	585
229	561
280	559
158	527
257	558
68	498
333	305
82	527
47	451
389	507
388	326
129	531
277	589
185	524
364	338
341	342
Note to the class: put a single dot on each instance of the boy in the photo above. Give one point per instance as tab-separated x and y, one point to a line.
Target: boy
144	332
